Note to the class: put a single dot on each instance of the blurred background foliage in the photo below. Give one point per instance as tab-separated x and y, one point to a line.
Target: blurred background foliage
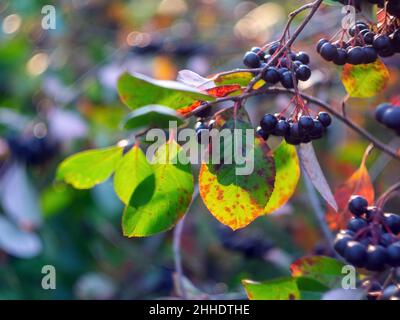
58	96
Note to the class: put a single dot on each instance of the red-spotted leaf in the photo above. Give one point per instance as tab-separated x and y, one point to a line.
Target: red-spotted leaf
365	80
223	91
323	269
237	199
137	90
161	199
287	176
358	184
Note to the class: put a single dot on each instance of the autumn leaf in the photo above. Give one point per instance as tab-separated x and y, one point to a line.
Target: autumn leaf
365	80
236	200
358	184
287	176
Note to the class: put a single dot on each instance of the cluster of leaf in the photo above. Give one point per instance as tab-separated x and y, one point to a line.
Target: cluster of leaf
157	195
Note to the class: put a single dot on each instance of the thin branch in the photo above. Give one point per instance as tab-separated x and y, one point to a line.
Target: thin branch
177	250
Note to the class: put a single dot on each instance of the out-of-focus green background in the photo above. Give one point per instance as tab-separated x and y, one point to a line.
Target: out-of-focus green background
58	96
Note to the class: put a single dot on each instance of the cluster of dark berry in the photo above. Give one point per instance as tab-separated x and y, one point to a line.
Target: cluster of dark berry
363	47
32	150
287	69
375	290
392	6
371	239
389	115
304	130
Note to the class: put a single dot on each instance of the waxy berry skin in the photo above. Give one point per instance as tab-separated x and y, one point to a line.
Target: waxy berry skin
358	205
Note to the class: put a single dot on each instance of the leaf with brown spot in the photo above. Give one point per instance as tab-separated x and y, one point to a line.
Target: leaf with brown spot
287	176
358	184
220	184
365	80
278	289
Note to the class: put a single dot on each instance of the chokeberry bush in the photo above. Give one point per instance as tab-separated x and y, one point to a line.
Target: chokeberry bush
157	196
359	256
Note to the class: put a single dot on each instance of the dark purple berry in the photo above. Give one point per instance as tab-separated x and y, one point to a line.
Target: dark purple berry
393	222
380	111
341	58
251	60
303	73
377	257
271	75
355	253
328	51
306	123
262	133
324	118
356	224
382	42
268	123
358	205
287	80
302	57
370	54
320	43
355	56
282	128
394	254
391	118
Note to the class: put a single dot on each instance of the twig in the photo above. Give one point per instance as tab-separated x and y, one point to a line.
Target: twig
177	250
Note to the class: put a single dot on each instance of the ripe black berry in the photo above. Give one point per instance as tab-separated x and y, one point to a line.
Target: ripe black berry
262	133
341	58
324	118
370	54
382	43
303	73
302	57
393	222
393	252
320	43
391	118
251	60
340	243
328	51
287	80
358	205
317	131
355	56
282	128
271	75
376	257
268	123
356	224
306	123
355	253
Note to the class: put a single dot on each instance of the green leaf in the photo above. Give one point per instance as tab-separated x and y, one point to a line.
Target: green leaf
137	90
131	171
288	288
365	80
236	200
161	199
152	116
278	289
287	176
326	270
310	289
86	169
